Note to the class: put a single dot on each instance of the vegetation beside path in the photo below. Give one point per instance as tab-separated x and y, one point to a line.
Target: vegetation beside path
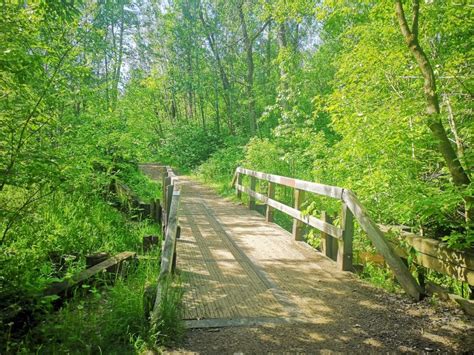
374	96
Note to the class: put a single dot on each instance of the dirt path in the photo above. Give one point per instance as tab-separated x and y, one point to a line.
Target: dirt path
250	288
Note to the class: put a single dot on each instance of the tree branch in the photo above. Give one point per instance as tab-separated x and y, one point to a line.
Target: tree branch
416	15
254	37
402	19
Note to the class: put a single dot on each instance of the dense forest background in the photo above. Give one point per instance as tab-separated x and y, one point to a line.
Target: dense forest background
375	96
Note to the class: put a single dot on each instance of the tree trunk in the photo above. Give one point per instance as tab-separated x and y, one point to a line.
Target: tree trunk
250	71
458	174
222	74
118	63
283	45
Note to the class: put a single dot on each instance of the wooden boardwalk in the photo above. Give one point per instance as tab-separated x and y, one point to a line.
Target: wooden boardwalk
238	269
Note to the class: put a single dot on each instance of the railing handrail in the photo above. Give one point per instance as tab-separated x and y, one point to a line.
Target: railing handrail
351	208
320	189
171	230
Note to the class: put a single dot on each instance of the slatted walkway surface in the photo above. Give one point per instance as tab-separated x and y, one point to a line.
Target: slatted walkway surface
239	269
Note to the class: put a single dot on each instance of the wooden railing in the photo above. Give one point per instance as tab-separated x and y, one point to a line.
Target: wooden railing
171	231
343	235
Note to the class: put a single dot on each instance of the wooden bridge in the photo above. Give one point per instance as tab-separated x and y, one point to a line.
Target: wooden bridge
239	268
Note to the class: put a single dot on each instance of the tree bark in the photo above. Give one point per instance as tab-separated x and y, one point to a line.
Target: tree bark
250	71
283	45
222	73
459	176
118	63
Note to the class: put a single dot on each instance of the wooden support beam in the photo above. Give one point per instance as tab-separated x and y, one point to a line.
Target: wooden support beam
271	195
320	189
239	182
112	264
377	237
97	258
169	197
149	242
298	226
158	212
344	250
253	185
290	211
178	235
168	252
328	243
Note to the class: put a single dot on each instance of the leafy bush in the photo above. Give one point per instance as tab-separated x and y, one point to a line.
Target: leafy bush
185	147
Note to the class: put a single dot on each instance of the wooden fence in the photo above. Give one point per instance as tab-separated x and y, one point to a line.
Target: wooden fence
171	231
343	235
132	203
435	255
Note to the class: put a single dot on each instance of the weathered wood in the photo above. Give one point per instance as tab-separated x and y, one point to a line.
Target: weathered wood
149	297
253	185
320	189
152	210
377	237
466	305
149	242
62	288
157	211
328	243
435	255
298	226
178	235
169	195
344	250
169	248
166	183
234	178
163	190
96	258
309	220
239	182
271	195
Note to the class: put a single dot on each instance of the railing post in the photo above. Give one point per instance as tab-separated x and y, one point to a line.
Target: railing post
169	196
344	252
239	182
178	234
270	194
158	212
253	185
152	212
298	226
328	243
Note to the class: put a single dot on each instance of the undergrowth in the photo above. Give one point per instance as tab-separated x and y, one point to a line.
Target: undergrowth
48	243
110	319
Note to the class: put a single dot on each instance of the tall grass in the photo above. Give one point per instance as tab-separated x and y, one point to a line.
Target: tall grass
111	320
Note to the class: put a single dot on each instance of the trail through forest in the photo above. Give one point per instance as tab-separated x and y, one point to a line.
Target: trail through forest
238	269
372	96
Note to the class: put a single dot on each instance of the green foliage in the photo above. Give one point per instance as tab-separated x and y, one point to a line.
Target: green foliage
222	163
110	319
381	277
188	146
90	89
169	326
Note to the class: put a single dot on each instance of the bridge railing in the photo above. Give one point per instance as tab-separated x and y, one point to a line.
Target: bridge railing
343	235
171	232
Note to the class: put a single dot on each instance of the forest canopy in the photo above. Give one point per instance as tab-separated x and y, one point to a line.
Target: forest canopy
375	96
